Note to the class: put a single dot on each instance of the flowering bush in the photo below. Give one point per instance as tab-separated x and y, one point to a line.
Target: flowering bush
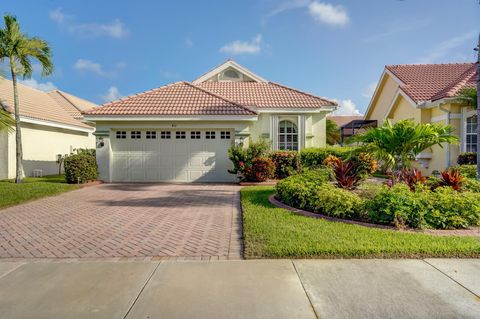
469	158
242	157
286	163
261	169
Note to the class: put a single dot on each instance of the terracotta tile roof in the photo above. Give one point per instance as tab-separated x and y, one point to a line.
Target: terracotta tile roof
36	104
265	95
344	119
75	106
181	98
430	82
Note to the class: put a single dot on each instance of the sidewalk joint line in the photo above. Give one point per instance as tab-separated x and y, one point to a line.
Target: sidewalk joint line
305	291
141	290
11	270
458	283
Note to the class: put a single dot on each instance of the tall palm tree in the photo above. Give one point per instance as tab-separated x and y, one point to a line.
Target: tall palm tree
333	132
19	49
397	145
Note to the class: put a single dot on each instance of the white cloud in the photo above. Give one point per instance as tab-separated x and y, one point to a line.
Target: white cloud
327	13
115	29
370	89
189	42
85	65
445	48
112	94
346	107
243	47
285	6
46	86
89	66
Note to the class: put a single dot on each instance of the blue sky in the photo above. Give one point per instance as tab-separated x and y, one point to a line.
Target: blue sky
337	49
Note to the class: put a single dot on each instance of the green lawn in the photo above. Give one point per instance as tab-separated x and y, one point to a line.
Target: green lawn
271	232
32	188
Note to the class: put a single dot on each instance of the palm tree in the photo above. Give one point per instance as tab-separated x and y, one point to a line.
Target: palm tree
468	96
19	49
333	132
397	145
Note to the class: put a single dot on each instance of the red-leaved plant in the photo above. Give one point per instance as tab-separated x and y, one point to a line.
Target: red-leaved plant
410	176
451	177
346	172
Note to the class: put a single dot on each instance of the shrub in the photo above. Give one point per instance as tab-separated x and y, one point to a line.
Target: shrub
346	172
314	157
242	157
85	151
286	163
467	171
469	158
80	168
451	209
451	177
367	164
261	169
399	206
297	190
332	201
471	185
412	177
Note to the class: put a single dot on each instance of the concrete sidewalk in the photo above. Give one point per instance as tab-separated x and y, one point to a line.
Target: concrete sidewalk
431	288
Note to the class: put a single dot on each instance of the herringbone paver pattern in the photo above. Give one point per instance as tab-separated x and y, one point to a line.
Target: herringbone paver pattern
126	220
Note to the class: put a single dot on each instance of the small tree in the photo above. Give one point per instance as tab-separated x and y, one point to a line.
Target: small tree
397	145
333	132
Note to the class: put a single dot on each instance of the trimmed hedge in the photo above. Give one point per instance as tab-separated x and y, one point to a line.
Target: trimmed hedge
80	168
314	157
469	158
467	171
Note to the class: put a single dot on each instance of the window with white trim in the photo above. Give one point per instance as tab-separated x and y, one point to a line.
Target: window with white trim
151	135
121	135
180	135
471	134
135	135
165	135
195	135
210	135
287	136
225	135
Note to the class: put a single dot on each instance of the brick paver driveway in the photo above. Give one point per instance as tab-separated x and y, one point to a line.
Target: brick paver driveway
126	220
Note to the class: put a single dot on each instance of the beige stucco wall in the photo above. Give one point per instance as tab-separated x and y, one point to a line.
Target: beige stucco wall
41	144
382	101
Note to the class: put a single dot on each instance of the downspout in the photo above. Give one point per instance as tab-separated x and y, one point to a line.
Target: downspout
448	123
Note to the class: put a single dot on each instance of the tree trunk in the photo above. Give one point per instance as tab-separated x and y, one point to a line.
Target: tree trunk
18	132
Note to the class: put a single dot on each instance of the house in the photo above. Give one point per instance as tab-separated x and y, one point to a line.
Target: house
181	132
341	120
52	125
426	93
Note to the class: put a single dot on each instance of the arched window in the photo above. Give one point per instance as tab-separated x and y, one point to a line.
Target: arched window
471	134
287	136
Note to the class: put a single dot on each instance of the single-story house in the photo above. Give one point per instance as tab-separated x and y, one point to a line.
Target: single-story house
181	132
52	125
427	93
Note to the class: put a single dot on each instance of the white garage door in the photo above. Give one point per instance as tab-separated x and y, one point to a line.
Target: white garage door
171	156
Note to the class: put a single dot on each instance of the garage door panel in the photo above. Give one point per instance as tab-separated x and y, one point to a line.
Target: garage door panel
193	159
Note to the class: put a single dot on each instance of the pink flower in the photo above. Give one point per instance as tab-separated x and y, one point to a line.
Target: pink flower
241	164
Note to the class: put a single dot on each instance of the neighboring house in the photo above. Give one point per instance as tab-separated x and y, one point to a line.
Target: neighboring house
426	93
341	120
182	132
52	125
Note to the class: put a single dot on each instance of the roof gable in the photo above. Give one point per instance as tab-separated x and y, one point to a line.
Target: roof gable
431	82
220	74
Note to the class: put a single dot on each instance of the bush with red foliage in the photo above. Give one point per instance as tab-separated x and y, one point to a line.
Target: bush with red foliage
452	177
346	173
410	176
261	169
286	163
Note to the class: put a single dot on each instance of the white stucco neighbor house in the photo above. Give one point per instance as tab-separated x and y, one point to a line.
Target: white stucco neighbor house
181	132
52	125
